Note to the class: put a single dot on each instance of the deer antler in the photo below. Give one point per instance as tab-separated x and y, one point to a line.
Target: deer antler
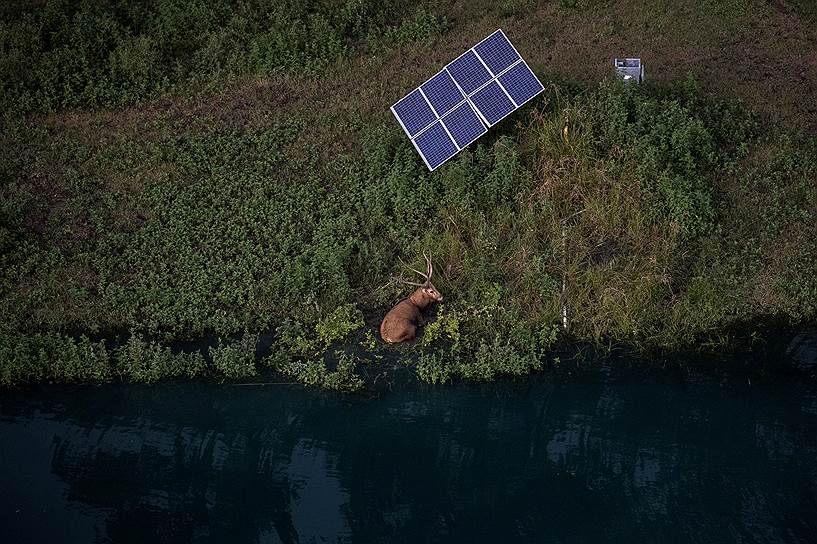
426	276
402	280
429	269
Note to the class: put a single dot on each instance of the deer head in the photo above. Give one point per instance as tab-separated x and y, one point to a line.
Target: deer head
426	293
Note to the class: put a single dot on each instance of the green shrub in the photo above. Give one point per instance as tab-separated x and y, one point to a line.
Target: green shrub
314	373
515	353
295	339
369	342
445	326
145	361
432	368
671	146
62	55
278	358
235	360
344	377
422	26
338	324
52	358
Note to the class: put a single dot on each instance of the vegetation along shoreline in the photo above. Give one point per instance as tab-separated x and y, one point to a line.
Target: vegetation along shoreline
163	177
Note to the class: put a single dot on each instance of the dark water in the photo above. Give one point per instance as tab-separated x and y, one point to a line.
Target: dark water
603	457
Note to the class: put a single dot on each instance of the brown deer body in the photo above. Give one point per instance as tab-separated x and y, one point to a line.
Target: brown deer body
401	323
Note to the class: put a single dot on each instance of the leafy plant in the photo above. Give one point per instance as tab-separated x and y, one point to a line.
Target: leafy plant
314	373
338	324
235	359
145	361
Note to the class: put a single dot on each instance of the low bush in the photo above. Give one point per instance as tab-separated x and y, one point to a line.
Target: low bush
432	368
41	357
338	324
56	55
235	359
146	361
314	373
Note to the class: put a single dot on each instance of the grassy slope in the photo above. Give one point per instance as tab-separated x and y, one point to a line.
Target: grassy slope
286	199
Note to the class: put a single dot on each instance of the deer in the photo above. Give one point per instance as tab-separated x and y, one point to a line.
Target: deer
401	322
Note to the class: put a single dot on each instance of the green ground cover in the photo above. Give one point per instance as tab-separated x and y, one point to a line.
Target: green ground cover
65	54
203	202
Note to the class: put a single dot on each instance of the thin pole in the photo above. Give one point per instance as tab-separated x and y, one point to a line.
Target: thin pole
564	276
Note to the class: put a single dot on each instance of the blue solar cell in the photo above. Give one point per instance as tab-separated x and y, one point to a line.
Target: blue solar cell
464	125
414	112
520	83
469	72
492	103
475	91
442	92
497	52
435	145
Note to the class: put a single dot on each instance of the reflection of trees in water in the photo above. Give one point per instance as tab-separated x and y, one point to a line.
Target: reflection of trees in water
646	461
177	482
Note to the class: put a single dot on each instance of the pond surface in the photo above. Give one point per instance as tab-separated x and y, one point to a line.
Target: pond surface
605	456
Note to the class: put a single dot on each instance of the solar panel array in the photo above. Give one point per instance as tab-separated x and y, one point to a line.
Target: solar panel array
472	93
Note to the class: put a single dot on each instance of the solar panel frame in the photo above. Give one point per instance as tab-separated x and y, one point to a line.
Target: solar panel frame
467	98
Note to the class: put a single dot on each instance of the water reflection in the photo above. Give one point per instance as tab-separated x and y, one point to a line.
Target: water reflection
601	459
